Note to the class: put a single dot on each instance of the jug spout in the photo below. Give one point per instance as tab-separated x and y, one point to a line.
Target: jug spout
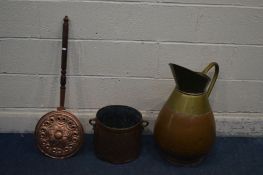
174	69
189	81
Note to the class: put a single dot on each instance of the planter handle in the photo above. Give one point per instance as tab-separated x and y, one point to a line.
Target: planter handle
145	123
92	121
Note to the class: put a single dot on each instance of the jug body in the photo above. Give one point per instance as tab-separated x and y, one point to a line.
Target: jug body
185	127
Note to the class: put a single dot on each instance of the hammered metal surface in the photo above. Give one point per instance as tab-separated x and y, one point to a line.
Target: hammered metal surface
59	134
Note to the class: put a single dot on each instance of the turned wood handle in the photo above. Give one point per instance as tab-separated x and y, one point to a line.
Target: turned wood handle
64	63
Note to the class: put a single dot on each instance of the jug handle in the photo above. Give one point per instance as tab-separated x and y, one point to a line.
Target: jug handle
212	83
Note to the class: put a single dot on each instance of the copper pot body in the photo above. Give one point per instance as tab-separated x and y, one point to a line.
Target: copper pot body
114	142
185	128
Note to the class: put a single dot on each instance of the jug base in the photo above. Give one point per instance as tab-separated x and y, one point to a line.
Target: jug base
180	162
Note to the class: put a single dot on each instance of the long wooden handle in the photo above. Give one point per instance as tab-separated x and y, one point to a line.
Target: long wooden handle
64	63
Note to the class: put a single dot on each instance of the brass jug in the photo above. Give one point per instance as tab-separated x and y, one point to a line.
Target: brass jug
185	127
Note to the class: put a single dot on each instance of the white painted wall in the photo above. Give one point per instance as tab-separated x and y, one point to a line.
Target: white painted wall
119	53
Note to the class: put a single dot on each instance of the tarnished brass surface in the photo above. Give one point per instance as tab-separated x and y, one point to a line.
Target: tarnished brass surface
59	134
189	104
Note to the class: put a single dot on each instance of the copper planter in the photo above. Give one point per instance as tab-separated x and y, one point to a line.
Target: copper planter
117	133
